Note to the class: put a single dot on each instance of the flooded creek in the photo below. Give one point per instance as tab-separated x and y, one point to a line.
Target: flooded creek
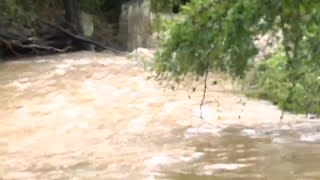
96	116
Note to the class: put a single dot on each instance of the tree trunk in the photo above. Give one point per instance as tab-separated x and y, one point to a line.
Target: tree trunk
72	15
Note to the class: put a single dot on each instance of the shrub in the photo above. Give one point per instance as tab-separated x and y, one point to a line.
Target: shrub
271	81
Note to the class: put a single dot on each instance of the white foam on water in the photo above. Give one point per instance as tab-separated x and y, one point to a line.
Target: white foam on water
279	140
249	132
21	84
248	159
84	125
170	107
191	132
154	163
79	61
207	112
229	167
41	61
60	72
63	66
66	128
116	62
193	156
137	125
310	138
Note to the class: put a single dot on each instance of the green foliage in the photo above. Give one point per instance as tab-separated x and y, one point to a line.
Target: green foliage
162	23
164	5
20	11
213	34
273	83
24	9
92	6
45	4
219	35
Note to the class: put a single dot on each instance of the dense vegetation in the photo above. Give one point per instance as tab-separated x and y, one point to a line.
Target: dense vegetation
219	35
271	81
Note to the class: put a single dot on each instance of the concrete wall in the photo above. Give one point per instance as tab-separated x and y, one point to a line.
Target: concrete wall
87	24
135	24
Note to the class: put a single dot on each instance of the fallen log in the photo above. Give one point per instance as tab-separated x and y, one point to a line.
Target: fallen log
32	46
79	38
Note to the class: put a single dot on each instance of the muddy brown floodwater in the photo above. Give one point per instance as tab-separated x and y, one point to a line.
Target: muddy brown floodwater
96	116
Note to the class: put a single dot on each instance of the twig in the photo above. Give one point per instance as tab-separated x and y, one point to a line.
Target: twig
204	92
243	104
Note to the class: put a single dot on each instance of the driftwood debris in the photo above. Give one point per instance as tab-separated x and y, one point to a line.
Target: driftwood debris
51	38
79	38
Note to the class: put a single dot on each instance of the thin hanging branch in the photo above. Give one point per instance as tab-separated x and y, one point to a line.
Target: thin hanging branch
204	92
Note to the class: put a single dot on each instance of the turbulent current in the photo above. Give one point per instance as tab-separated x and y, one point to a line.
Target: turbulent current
96	116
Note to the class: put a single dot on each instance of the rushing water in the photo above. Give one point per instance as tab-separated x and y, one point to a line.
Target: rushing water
95	116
